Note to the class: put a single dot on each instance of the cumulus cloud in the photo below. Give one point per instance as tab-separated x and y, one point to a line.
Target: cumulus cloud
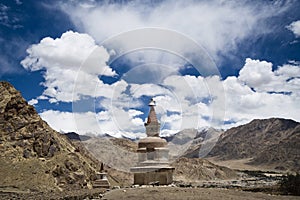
260	92
73	64
72	70
295	28
256	73
73	58
187	102
259	76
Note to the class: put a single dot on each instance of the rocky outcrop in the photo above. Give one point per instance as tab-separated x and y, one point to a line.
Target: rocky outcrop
33	155
272	142
21	127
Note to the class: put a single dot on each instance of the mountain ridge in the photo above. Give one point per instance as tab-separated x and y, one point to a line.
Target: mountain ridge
273	142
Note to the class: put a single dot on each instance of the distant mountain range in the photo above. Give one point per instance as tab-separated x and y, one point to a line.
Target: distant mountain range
193	143
268	142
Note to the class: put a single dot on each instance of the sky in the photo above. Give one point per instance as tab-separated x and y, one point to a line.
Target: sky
93	66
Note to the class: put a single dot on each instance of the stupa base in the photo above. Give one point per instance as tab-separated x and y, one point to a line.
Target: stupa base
146	175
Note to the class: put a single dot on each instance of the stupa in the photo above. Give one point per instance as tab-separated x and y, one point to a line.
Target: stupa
153	155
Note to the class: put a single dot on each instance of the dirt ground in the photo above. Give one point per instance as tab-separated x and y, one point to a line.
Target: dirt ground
175	193
240	164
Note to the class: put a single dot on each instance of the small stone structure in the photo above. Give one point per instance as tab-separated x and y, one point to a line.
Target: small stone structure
153	165
101	181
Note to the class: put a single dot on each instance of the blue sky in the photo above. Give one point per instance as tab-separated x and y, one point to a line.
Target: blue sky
92	66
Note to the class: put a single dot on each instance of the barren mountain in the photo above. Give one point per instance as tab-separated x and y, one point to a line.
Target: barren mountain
115	153
195	169
121	154
270	142
192	143
34	157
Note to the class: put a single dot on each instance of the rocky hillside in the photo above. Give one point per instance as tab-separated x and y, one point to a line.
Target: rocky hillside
270	142
117	153
192	143
34	157
195	169
118	156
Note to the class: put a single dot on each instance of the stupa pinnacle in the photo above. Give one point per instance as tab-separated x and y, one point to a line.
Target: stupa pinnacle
152	125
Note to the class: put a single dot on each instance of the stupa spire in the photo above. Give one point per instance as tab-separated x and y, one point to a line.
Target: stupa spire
152	115
152	125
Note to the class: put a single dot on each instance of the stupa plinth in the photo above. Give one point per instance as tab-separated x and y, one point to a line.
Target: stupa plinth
153	165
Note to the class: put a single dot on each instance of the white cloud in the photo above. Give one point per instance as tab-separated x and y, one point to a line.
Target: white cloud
55	118
256	73
260	76
137	90
187	102
276	96
288	71
295	28
73	58
33	102
73	63
100	123
150	72
216	25
134	113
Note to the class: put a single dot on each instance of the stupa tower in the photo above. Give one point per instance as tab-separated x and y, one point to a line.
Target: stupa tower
153	165
152	125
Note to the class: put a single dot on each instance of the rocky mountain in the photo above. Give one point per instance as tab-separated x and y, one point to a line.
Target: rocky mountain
192	143
75	136
117	153
269	142
34	157
120	154
195	169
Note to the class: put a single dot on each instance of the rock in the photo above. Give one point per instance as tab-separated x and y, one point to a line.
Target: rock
70	165
27	141
26	153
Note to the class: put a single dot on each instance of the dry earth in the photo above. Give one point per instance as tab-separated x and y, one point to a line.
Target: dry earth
174	193
240	164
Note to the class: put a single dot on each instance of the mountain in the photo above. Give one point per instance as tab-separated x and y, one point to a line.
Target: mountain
195	169
75	136
34	157
274	143
192	143
120	154
117	153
